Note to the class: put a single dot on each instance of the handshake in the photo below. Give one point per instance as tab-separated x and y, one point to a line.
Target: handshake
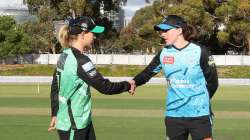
132	87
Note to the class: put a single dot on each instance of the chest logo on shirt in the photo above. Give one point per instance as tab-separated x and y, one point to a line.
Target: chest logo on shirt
168	60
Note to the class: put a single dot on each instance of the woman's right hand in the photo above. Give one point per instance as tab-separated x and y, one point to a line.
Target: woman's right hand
132	87
52	125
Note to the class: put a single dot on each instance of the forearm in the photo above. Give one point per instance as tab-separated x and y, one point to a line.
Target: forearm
143	78
151	70
54	95
212	82
110	88
209	70
93	78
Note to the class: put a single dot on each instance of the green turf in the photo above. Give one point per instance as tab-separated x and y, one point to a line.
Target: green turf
147	97
21	90
232	129
218	105
114	128
113	70
24	127
107	128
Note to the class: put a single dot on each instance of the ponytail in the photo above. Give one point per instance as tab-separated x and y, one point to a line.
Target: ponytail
63	36
189	32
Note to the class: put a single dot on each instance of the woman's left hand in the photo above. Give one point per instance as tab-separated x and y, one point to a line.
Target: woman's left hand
52	125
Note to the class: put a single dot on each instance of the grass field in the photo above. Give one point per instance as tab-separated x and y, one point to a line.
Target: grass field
24	113
113	70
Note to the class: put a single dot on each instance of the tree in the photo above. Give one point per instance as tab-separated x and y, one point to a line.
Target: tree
220	24
235	17
17	43
65	8
13	41
6	23
139	35
145	18
51	10
41	35
41	32
34	5
46	17
210	6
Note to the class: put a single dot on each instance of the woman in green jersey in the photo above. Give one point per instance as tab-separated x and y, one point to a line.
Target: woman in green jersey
74	74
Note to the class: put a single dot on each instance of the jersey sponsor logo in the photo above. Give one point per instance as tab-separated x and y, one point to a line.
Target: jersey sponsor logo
88	66
181	83
168	60
84	25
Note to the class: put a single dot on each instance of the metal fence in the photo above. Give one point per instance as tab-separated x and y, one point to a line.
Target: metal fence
48	79
241	60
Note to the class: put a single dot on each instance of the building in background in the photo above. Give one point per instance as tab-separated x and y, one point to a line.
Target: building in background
132	6
20	15
115	16
124	14
17	9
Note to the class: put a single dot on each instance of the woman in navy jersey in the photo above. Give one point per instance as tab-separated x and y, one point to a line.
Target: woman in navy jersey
192	80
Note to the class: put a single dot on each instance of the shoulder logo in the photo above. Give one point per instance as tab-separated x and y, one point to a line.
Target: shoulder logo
211	61
88	66
168	60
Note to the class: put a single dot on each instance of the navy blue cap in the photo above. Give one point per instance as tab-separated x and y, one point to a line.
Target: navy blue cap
83	23
170	22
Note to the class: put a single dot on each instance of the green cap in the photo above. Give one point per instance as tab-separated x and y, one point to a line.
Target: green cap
84	23
97	29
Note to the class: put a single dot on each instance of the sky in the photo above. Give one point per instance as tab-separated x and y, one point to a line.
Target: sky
132	6
11	3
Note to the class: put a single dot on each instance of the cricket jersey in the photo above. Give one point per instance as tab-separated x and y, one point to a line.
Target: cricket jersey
191	76
70	89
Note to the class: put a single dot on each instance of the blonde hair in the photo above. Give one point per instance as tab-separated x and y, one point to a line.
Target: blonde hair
64	37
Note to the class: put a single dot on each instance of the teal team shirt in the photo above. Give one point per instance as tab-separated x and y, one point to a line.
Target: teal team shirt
187	94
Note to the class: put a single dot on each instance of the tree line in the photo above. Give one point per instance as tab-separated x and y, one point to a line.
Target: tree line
223	26
39	36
